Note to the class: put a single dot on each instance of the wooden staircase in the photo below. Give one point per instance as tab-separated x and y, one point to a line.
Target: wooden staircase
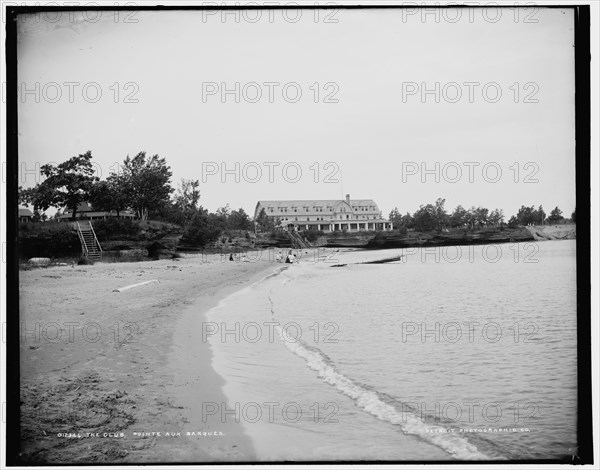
297	240
90	245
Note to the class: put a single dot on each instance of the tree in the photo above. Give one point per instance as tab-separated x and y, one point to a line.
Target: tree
573	216
146	183
425	218
496	217
408	221
67	184
395	218
109	195
539	215
481	216
39	216
188	195
555	216
525	215
264	223
223	212
471	217
458	218
203	227
183	206
441	216
513	222
239	220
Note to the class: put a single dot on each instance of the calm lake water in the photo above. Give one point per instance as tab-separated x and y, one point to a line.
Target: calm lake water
453	353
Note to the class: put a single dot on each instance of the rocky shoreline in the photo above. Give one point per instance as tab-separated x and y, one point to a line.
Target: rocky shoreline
454	237
165	247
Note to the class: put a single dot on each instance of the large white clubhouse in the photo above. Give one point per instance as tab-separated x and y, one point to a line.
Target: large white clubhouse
352	215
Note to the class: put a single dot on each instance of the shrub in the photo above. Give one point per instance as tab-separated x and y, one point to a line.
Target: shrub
312	235
115	228
48	239
84	261
203	228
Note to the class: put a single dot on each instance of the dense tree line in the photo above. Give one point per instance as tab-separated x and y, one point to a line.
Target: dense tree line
435	217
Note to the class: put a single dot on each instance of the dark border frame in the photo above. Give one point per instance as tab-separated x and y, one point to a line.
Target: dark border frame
583	242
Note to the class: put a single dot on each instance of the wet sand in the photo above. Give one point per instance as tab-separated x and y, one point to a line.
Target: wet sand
114	376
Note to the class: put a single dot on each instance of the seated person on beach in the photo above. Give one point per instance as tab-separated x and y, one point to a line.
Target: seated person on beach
290	257
279	257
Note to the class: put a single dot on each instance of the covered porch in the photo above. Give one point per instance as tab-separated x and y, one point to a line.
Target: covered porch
349	226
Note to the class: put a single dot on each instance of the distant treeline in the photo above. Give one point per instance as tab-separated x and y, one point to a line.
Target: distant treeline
435	217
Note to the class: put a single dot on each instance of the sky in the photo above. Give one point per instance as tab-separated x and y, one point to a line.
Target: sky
398	106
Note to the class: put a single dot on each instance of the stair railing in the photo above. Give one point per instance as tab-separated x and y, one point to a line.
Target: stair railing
82	240
95	238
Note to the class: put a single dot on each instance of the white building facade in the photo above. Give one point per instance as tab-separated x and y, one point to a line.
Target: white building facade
352	215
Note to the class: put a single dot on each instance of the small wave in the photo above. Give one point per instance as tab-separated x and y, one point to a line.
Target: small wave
275	273
372	401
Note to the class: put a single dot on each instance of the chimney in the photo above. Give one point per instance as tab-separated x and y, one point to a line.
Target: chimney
348	199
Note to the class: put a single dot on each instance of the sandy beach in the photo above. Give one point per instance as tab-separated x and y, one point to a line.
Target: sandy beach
112	376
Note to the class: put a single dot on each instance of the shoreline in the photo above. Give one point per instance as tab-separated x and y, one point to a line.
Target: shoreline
209	386
97	362
275	435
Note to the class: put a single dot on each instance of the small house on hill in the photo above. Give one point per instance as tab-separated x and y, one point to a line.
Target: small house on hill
25	215
86	211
